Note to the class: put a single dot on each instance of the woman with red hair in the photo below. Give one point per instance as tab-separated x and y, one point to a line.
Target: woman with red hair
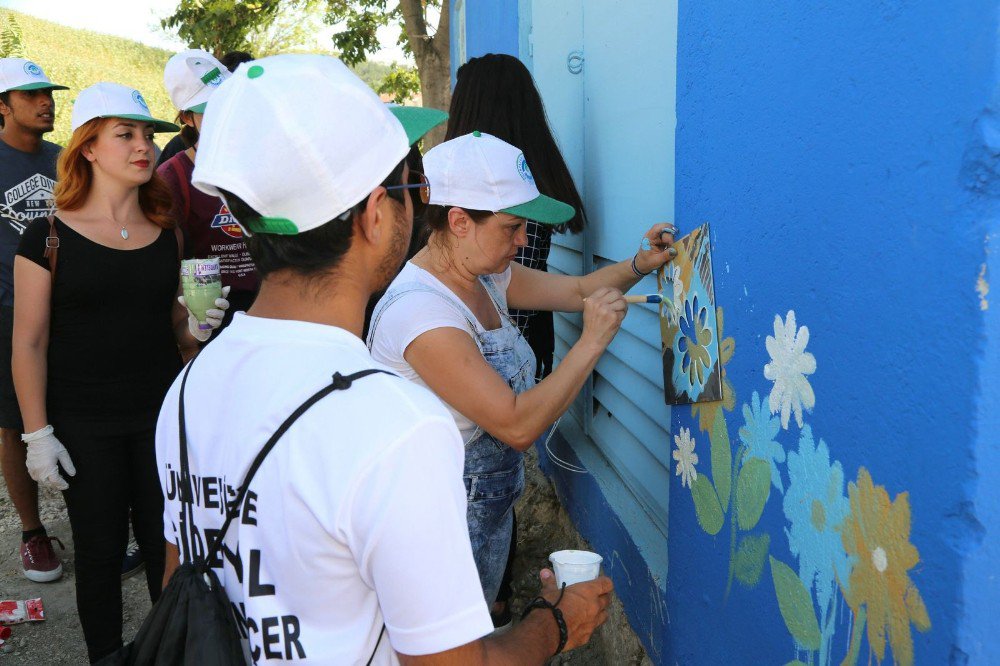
97	341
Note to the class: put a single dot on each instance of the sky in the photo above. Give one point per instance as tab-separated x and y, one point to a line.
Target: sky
139	20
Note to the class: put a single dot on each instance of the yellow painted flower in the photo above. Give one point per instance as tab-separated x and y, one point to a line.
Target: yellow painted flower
876	534
706	411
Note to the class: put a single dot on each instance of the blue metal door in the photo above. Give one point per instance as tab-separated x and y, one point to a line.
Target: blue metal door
607	72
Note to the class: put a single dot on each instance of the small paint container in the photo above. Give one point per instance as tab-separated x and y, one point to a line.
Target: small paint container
575	566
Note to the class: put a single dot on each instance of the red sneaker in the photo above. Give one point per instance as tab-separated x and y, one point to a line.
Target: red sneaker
39	560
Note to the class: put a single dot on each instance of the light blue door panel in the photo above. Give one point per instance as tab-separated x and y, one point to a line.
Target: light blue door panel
614	120
645	478
631	417
629	106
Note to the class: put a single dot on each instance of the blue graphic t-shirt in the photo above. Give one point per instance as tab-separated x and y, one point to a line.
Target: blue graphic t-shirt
27	181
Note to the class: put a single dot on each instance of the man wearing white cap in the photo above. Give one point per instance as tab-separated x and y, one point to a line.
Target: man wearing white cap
191	77
27	179
351	543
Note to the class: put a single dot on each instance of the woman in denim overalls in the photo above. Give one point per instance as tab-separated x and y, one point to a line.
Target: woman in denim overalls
443	323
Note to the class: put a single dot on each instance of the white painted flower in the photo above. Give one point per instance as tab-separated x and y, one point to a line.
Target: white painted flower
686	458
675	279
790	363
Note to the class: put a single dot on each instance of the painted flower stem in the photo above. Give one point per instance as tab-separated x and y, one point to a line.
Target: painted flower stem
732	524
854	648
732	558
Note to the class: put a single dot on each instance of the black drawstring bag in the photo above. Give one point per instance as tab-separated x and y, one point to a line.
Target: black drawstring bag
192	624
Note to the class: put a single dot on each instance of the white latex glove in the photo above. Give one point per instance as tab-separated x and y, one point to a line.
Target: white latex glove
45	454
213	317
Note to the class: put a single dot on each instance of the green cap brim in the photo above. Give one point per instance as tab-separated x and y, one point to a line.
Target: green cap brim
198	108
40	85
158	125
279	226
544	210
417	120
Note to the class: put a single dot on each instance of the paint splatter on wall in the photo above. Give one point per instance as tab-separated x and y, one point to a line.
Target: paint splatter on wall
983	288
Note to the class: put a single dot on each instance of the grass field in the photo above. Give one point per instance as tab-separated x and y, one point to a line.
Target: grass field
80	58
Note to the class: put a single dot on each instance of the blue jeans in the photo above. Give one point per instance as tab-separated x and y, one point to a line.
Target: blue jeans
494	480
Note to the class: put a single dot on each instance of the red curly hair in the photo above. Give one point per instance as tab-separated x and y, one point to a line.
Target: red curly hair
74	178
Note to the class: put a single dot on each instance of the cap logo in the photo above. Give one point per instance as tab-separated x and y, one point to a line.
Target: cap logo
32	69
212	78
137	98
523	170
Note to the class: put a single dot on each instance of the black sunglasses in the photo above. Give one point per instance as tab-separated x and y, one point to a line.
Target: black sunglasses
418	181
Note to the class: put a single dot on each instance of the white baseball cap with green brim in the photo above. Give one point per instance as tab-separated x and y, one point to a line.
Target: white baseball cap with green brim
480	172
301	140
191	77
21	74
113	100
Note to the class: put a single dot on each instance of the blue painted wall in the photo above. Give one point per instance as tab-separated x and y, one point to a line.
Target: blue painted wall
491	26
846	156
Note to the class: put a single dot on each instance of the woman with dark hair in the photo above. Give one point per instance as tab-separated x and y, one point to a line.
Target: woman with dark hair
96	337
444	323
495	94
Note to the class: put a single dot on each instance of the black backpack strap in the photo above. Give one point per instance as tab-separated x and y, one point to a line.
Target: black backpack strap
339	383
184	489
380	634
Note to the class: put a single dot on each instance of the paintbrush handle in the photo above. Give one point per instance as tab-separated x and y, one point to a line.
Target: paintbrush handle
648	298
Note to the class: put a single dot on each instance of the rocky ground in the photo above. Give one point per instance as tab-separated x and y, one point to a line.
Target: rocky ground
543	527
59	639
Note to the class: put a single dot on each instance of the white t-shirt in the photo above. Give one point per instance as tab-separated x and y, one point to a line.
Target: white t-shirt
418	312
356	517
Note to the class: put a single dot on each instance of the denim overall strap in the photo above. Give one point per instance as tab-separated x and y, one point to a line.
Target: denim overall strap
494	472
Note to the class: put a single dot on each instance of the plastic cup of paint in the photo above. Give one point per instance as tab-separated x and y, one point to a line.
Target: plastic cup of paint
575	566
201	282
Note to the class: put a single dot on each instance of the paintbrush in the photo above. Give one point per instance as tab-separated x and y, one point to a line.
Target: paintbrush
648	298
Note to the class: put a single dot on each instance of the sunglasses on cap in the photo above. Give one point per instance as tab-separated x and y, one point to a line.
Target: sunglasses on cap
418	181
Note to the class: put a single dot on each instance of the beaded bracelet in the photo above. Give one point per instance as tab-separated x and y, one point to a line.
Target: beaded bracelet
541	602
635	269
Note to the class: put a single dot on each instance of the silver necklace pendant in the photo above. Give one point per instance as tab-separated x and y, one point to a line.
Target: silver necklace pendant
124	233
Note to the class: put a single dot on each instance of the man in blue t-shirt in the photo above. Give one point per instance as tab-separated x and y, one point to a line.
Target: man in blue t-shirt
27	182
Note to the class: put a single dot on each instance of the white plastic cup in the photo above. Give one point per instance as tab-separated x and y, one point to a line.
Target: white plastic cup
575	566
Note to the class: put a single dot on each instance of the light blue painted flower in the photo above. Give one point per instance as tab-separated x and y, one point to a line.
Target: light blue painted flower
758	436
815	506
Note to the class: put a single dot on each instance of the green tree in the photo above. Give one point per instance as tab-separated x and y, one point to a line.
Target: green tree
294	28
220	26
429	44
400	83
371	72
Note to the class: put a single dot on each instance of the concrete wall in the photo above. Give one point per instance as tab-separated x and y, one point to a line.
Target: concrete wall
846	157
